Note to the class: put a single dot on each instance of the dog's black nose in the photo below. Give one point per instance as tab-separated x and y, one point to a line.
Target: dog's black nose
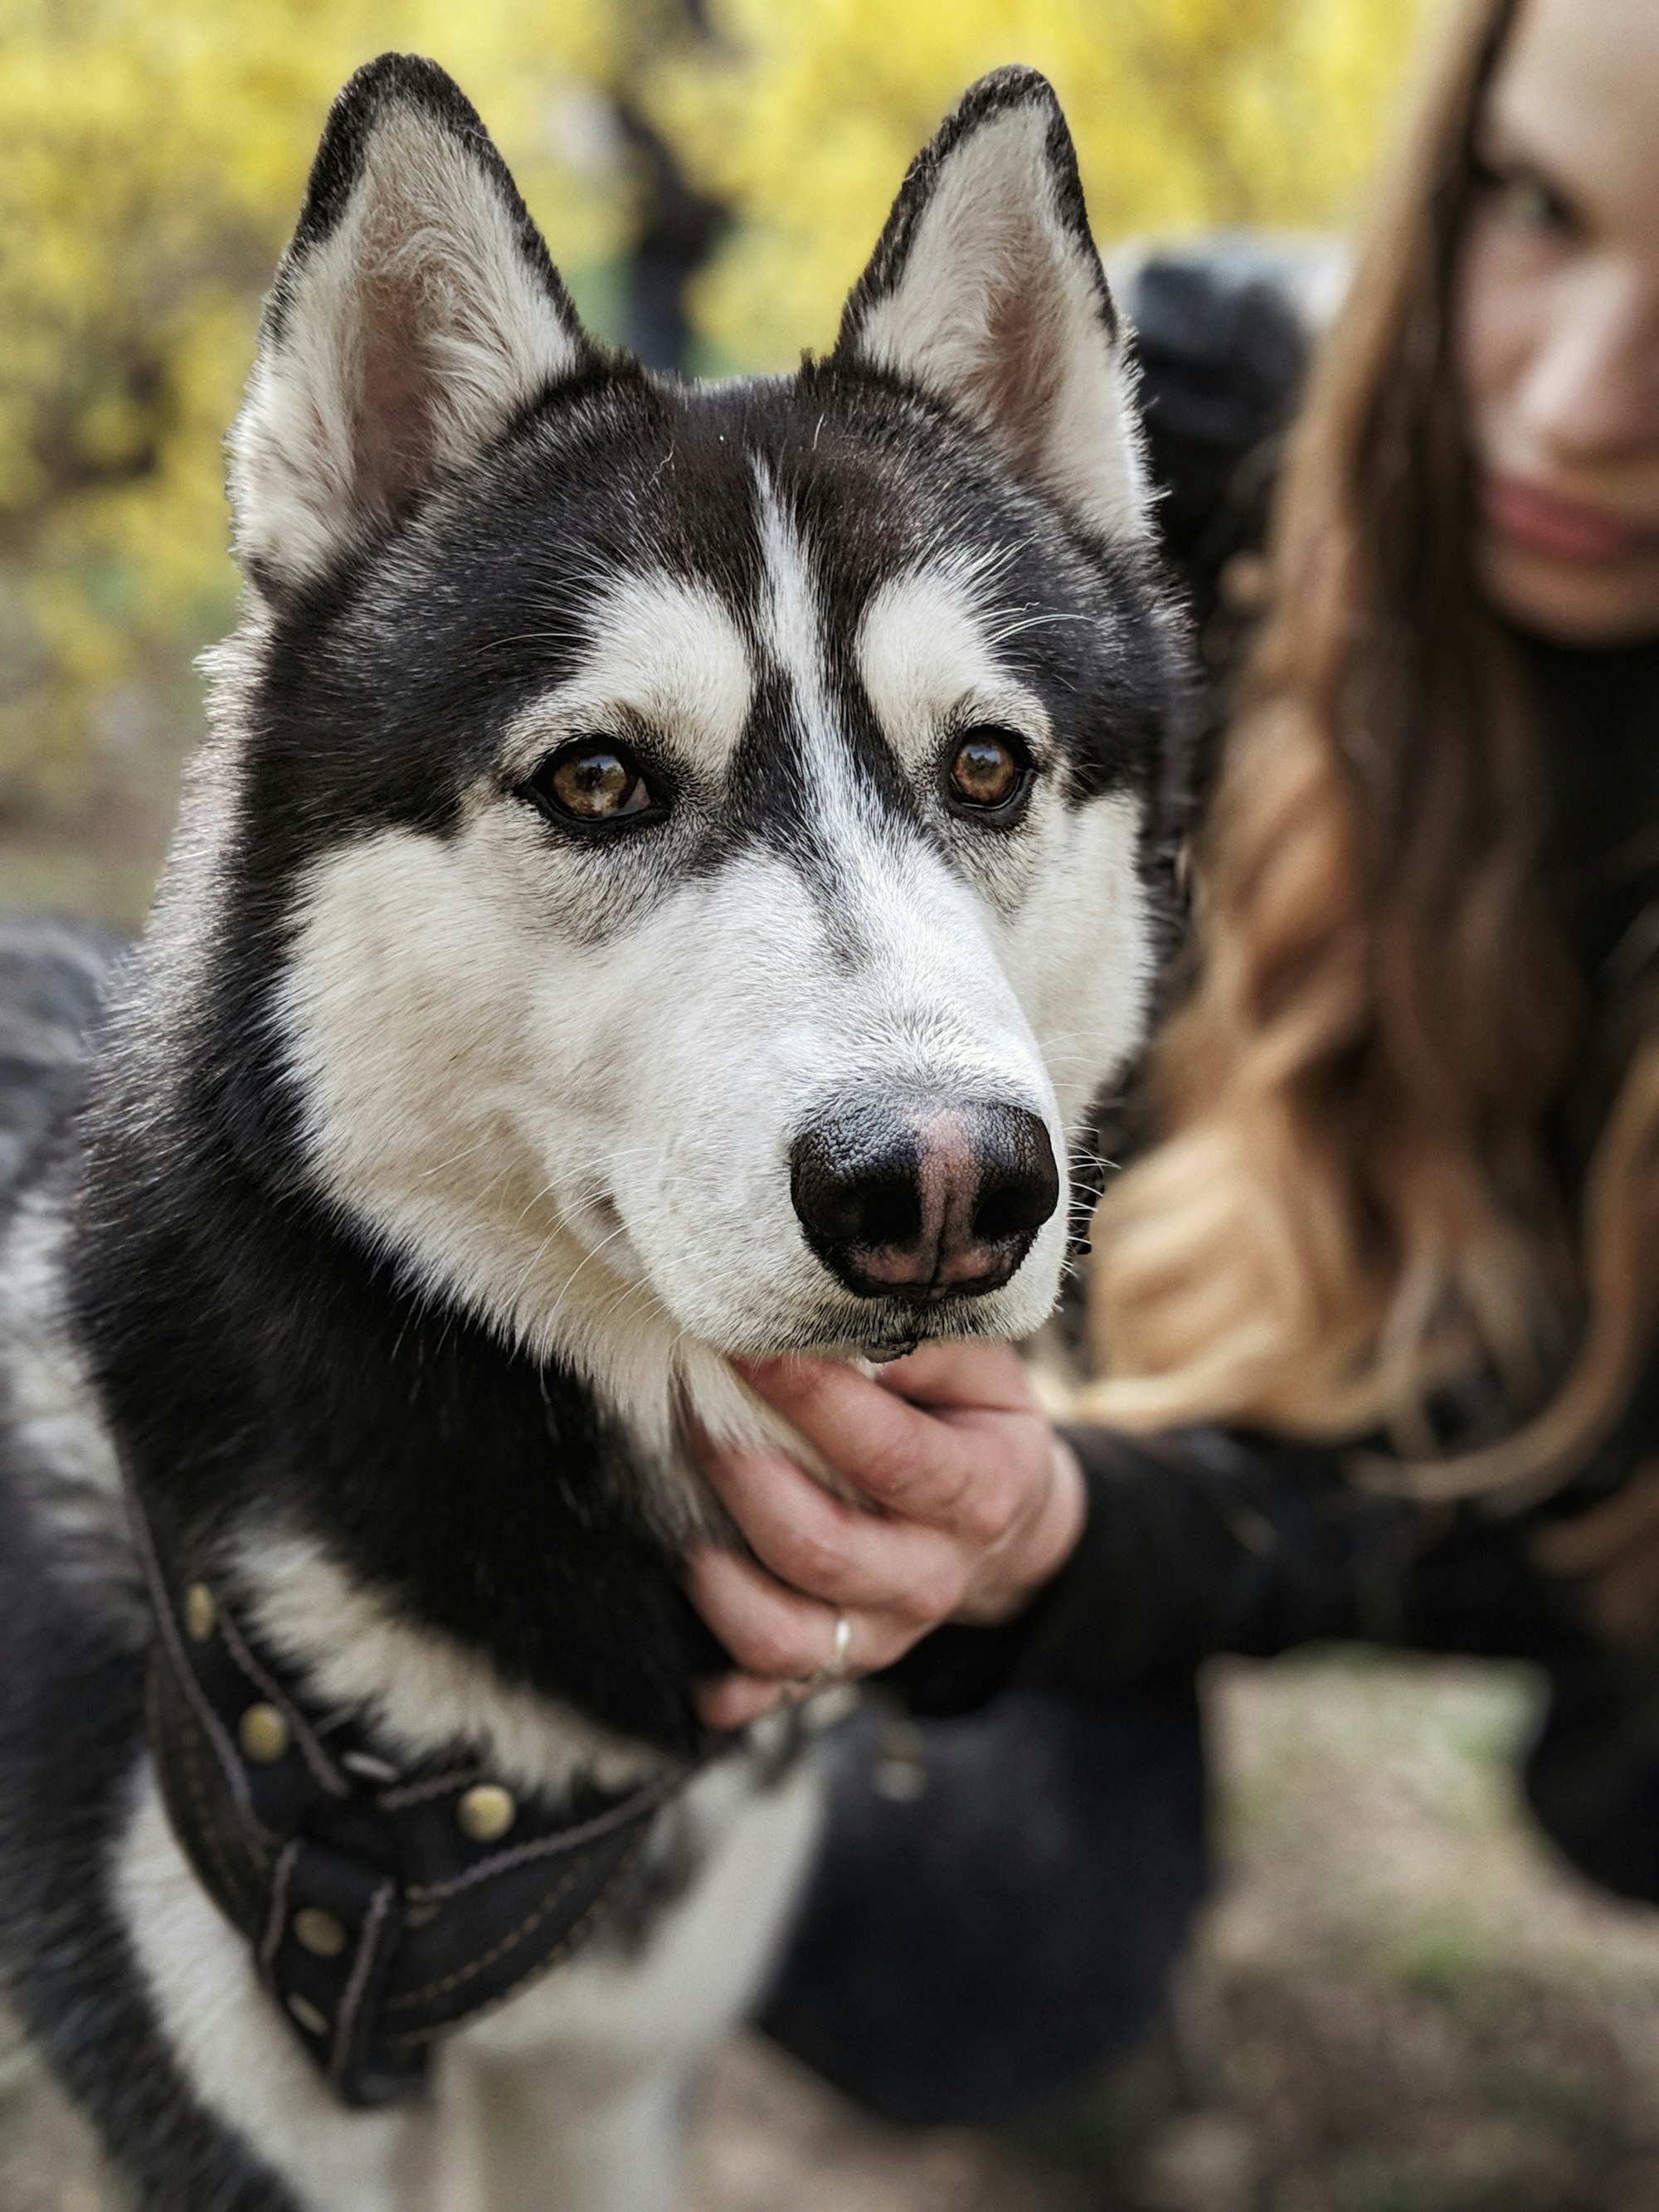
939	1203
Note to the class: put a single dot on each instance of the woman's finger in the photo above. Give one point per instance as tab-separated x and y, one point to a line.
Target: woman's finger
777	1633
831	1550
909	1461
733	1701
962	1374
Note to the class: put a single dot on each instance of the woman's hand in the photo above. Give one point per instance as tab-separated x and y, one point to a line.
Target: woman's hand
976	1503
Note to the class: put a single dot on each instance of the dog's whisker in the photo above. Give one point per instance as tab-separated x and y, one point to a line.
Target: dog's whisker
603	1243
1004	631
455	1159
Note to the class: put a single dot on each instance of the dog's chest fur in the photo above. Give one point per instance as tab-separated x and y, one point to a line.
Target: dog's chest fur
93	1871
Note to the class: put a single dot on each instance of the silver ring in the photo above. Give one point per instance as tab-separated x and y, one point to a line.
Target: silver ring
841	1653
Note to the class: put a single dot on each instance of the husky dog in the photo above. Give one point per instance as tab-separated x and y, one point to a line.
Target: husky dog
671	872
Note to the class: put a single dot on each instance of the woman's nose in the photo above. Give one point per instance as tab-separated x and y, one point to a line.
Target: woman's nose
1592	389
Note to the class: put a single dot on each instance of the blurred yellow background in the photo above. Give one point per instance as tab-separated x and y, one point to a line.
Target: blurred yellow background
152	156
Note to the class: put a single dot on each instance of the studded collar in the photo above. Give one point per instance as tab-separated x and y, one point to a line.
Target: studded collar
386	1905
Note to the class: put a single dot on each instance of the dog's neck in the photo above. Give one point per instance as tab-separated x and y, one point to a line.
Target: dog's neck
261	1372
656	1382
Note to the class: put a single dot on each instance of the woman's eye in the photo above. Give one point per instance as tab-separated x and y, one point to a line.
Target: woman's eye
593	781
1529	201
989	772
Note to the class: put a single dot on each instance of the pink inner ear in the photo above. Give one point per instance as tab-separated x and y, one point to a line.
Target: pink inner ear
1016	385
396	433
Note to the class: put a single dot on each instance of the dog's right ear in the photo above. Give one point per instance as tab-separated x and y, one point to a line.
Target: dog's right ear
986	292
414	315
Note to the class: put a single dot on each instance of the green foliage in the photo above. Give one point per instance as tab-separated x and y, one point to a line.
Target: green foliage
155	151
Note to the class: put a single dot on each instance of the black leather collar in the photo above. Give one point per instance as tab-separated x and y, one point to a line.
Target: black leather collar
386	1906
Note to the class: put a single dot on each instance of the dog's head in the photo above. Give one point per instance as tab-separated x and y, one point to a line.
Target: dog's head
700	834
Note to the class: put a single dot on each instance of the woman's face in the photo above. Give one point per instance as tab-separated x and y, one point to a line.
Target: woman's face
1559	323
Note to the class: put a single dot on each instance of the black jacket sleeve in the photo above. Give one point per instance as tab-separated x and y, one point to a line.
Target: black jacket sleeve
1206	1540
1592	1775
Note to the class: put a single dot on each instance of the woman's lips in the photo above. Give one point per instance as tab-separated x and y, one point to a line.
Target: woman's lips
1544	522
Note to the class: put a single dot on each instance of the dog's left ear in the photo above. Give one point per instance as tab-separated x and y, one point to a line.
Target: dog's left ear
414	314
987	292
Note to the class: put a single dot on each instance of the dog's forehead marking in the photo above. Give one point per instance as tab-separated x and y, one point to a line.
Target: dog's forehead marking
665	648
791	619
926	653
836	854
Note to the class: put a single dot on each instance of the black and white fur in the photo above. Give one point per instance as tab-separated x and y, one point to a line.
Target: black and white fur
436	1160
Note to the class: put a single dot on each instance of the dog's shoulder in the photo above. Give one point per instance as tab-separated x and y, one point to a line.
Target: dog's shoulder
59	1472
53	973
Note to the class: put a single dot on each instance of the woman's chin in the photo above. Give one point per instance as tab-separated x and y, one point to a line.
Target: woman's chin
1569	602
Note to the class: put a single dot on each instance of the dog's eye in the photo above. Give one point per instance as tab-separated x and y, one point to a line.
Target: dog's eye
989	772
593	781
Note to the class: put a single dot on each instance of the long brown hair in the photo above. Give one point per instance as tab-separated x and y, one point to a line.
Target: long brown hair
1350	1204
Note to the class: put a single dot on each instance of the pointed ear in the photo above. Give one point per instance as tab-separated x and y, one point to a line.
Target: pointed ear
987	292
414	313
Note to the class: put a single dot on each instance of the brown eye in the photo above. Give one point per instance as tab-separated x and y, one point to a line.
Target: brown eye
592	782
990	771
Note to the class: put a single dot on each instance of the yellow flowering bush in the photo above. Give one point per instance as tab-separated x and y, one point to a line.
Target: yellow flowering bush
152	155
802	115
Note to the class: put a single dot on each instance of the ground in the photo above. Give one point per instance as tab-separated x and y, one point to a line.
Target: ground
1399	2003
